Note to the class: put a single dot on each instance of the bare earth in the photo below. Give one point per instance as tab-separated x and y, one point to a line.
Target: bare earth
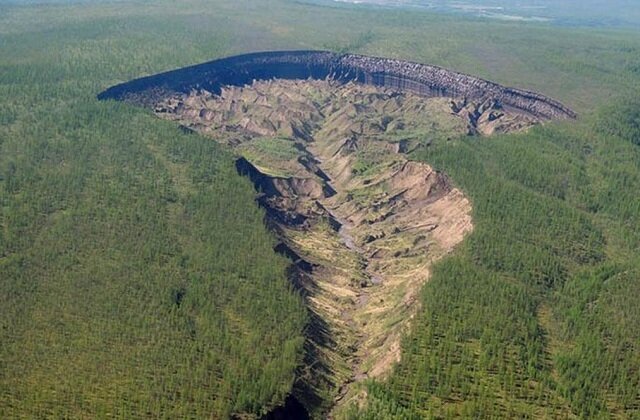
363	223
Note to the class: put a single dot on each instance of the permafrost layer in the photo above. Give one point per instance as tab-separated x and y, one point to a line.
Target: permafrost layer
423	79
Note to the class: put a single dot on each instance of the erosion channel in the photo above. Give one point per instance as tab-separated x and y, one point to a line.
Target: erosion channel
361	223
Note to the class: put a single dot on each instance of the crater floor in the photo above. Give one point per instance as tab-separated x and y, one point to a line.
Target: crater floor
362	223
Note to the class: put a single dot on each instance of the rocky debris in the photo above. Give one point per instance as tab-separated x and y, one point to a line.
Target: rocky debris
287	199
490	117
400	75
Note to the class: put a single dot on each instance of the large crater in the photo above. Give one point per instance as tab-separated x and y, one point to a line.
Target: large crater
324	138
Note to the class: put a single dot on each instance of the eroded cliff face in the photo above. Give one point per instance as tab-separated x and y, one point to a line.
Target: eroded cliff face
361	223
421	79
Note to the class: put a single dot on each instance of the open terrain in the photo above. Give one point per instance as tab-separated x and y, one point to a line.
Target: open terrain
594	13
138	279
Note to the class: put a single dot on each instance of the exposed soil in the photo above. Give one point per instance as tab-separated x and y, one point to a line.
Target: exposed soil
324	136
362	223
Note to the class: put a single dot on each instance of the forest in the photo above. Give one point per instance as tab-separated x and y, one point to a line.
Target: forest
138	279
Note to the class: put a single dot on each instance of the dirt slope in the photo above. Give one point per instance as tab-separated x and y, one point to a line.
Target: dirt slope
361	222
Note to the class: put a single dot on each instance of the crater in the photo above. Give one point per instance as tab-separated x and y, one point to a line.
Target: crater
324	138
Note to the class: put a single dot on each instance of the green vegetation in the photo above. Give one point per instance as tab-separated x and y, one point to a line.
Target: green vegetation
278	148
137	279
136	275
268	152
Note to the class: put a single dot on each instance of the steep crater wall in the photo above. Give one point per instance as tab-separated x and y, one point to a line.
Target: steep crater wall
422	79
